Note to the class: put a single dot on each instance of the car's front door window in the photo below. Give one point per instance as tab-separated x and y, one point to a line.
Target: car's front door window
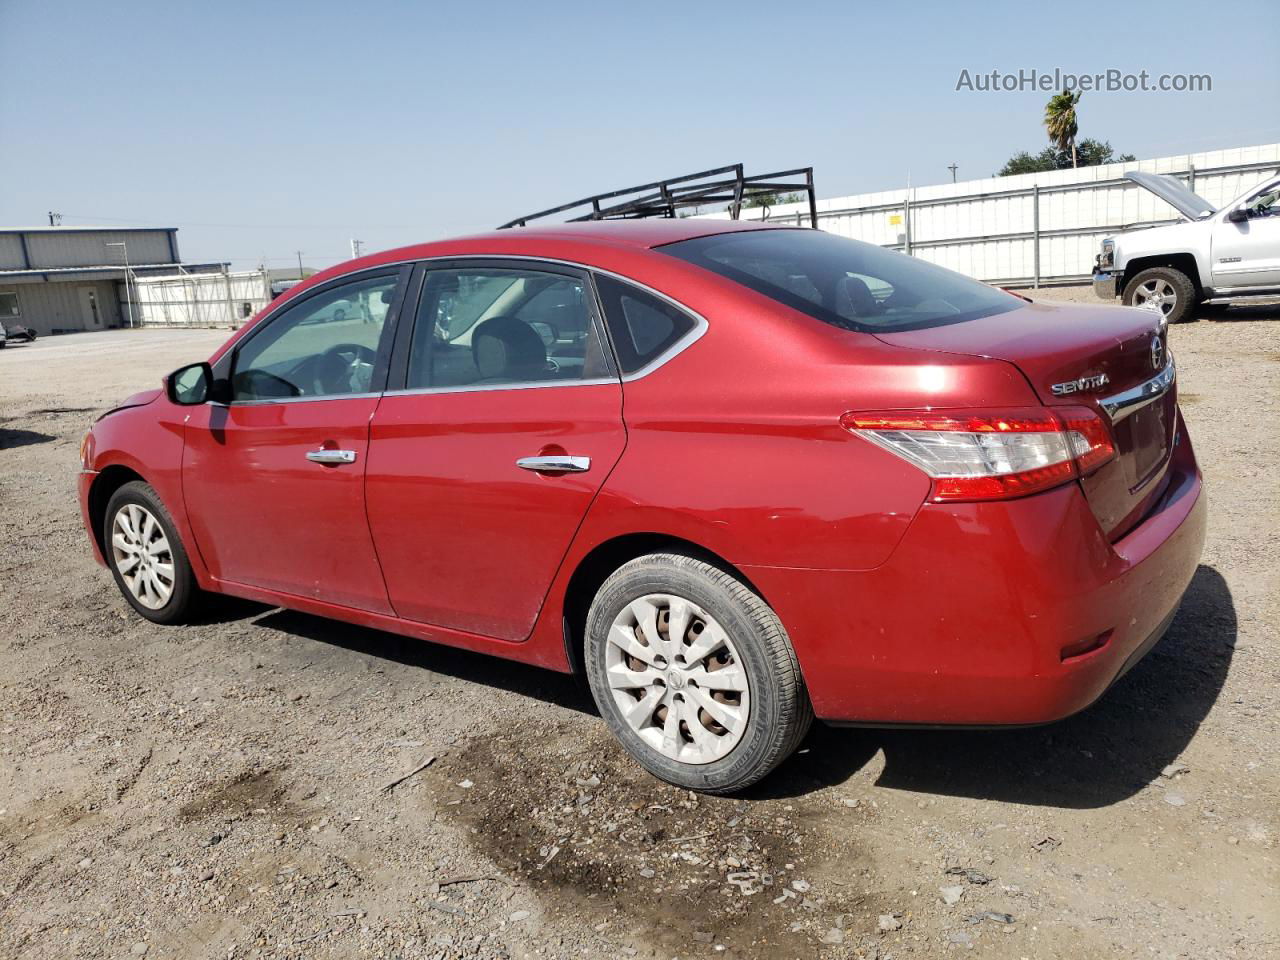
325	346
493	326
1267	204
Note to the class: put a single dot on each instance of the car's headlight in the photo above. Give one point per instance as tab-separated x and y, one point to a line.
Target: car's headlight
1108	255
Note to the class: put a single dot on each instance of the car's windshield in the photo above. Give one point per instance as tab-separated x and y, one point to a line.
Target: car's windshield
856	286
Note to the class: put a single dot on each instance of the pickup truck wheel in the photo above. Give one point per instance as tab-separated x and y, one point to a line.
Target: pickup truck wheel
1162	290
694	674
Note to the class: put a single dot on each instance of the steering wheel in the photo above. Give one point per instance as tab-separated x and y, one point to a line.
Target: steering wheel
335	366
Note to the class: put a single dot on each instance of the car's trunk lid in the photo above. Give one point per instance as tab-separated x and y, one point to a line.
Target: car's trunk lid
1064	352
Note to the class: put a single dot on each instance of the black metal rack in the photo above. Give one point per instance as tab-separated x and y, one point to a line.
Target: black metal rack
663	198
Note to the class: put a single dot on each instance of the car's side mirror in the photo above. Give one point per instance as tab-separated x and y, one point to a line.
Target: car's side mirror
191	385
1238	215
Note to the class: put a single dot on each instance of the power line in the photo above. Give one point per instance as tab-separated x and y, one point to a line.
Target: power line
247	226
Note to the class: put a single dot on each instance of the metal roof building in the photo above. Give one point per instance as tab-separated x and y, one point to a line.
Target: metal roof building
60	279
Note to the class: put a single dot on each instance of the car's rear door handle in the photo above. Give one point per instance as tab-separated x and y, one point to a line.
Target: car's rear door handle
331	456
561	464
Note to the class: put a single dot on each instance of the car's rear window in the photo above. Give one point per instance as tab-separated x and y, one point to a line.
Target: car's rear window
856	286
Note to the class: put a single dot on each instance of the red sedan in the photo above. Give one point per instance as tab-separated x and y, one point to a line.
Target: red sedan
739	476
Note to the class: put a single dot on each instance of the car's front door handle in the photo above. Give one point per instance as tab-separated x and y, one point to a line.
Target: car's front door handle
561	464
331	456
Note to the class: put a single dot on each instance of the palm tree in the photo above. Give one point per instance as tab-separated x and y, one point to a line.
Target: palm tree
1060	121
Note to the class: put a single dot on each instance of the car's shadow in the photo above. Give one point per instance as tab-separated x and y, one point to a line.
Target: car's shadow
1099	757
1094	759
560	689
1226	314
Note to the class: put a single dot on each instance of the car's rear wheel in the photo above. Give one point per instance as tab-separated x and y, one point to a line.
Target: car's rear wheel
1164	291
146	557
694	673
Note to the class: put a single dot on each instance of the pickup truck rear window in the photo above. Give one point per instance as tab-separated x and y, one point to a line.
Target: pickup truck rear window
852	285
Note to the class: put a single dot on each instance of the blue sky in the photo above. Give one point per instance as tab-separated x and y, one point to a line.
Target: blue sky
260	129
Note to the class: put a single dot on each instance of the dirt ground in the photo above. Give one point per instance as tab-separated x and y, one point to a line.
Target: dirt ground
225	789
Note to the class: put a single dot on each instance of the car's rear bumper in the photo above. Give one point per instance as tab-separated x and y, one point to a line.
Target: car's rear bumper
973	619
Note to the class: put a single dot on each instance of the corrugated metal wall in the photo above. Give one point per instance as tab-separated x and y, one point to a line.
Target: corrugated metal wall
11	252
992	229
52	307
69	247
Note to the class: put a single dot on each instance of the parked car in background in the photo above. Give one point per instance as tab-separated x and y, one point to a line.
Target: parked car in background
16	331
1217	257
739	475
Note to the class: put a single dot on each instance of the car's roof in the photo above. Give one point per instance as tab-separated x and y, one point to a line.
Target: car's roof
615	234
645	233
619	235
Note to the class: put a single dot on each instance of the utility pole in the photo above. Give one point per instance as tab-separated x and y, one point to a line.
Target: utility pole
55	219
953	168
355	247
128	297
299	264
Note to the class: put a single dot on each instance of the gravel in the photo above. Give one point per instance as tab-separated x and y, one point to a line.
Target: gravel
218	789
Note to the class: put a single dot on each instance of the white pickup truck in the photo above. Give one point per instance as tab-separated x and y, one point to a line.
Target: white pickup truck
1217	257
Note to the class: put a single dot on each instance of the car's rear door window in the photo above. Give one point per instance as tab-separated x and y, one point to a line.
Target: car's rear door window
856	286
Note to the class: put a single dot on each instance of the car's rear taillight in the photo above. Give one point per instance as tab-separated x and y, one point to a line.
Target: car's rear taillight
991	455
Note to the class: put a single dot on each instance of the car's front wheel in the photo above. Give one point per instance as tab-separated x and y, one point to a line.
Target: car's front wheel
694	673
146	557
1164	291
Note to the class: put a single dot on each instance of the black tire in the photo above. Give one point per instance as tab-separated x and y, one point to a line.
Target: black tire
778	712
185	594
1185	297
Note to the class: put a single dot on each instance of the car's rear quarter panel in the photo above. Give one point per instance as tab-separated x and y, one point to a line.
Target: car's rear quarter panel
735	443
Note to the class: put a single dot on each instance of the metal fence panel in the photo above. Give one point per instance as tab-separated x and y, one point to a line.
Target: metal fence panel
200	299
1032	228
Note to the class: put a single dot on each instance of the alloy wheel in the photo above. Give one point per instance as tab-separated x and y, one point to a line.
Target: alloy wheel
142	556
1157	295
677	679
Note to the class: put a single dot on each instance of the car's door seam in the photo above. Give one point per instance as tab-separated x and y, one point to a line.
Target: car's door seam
364	502
573	539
